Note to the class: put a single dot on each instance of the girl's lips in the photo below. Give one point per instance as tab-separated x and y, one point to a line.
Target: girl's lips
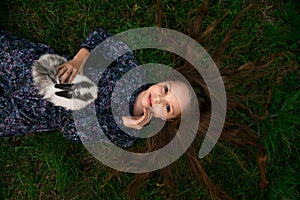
149	101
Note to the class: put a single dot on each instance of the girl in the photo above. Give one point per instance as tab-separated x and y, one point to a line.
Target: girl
23	111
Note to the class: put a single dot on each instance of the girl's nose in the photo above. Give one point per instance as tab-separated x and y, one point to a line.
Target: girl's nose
157	99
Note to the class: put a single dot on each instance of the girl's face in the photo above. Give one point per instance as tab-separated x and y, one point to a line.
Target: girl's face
166	100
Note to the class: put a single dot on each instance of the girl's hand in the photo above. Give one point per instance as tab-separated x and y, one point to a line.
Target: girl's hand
68	71
137	122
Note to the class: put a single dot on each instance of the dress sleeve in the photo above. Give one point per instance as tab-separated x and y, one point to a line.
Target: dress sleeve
94	38
111	49
118	59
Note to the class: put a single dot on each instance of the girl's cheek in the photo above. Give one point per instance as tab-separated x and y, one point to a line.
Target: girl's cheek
158	111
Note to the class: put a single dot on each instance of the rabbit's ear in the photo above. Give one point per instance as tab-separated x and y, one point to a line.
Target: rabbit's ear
65	94
65	86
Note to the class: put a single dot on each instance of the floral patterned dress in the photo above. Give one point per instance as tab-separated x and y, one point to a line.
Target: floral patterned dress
23	111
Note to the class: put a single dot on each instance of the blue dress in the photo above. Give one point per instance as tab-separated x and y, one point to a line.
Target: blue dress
23	111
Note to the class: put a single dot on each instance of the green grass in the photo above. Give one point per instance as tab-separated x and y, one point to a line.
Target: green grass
46	166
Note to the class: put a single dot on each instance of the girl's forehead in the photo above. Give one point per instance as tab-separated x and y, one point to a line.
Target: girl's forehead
181	92
178	85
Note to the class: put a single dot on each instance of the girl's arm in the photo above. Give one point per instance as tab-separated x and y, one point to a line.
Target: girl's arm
71	68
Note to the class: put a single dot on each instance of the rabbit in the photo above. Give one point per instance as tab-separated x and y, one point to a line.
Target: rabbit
74	96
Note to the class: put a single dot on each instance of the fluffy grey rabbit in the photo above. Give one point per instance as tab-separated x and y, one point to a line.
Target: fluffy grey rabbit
75	96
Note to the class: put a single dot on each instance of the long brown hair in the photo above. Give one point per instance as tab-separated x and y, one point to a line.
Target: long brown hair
234	132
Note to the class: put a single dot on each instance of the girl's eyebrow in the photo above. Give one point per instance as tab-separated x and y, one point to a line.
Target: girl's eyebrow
169	85
173	111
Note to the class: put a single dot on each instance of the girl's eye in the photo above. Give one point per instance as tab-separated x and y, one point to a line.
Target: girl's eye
168	108
166	89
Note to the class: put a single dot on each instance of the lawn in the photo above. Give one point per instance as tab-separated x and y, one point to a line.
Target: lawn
46	166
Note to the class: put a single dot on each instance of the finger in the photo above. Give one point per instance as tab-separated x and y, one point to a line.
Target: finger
147	112
131	122
65	75
141	123
73	75
62	71
60	66
149	117
145	118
